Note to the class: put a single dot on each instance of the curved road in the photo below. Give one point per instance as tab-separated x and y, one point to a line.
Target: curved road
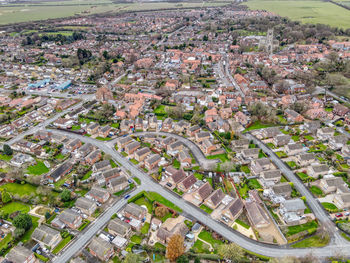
228	233
206	164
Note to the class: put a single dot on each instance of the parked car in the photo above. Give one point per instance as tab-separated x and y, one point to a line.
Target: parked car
338	215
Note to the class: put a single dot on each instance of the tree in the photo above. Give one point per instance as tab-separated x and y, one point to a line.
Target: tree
65	195
161	211
231	252
7	149
197	260
47	215
132	258
23	221
182	259
19	232
175	247
5	197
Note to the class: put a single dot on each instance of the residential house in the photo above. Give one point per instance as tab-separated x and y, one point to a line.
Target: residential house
104	131
207	146
177	176
118	227
69	218
123	141
312	126
282	189
134	211
292	211
233	210
202	193
61	171
73	145
185	158
293	116
270	132
340	110
316	170
85	150
257	216
99	194
240	144
152	161
259	165
132	147
337	142
85	205
93	157
333	184
271	175
92	128
281	140
167	125
214	200
141	154
47	236
325	133
251	153
174	147
102	166
117	184
191	132
170	227
305	159
21	254
293	149
342	201
101	249
187	183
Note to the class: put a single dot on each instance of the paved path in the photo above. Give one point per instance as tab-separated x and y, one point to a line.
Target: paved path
206	164
228	233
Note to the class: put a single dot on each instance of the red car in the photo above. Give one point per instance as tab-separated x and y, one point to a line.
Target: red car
338	215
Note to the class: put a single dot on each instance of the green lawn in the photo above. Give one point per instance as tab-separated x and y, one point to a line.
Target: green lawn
103	139
281	154
136	239
223	157
299	228
206	209
15	206
239	222
201	247
295	138
61	245
198	176
134	161
137	180
314	241
206	236
87	175
5	157
245	169
20	189
316	190
309	137
157	197
254	184
5	240
258	125
145	228
302	176
243	190
76	127
145	202
26	237
330	207
292	164
38	169
84	225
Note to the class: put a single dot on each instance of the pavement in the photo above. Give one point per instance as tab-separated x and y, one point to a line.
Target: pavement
338	245
205	163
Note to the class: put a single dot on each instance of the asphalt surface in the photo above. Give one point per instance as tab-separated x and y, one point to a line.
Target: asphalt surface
334	248
205	163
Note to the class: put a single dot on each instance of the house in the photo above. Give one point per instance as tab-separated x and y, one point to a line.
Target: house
70	218
102	166
282	189
118	227
85	205
177	176
281	140
104	131
201	136
270	132
312	126
73	145
316	170
233	210
325	133
166	141
185	158
21	254
202	193
47	236
152	161
191	132
141	154
99	194
251	153
333	184
93	157
181	126
92	128
123	141
132	147
167	125
214	199
20	159
240	144
292	211
61	171
134	211
170	227
208	147
106	176
342	201
101	249
337	142
271	175
340	110
117	184
293	149
259	165
346	151
305	159
187	183
256	214
293	116
85	149
175	146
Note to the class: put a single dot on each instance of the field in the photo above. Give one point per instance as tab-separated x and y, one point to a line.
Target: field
38	169
305	11
20	189
56	9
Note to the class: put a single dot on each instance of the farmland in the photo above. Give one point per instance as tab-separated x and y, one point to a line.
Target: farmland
305	11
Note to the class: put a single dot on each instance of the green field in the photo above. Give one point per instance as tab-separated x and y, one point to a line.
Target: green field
56	9
20	189
38	169
314	12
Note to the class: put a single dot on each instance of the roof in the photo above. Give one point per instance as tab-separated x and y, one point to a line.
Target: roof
318	168
44	234
251	151
134	209
18	254
178	176
235	207
272	174
111	172
294	205
102	164
84	203
345	197
118	180
68	215
189	181
307	156
256	214
97	191
119	226
205	190
100	246
294	146
59	171
282	188
217	196
132	145
334	181
153	158
142	151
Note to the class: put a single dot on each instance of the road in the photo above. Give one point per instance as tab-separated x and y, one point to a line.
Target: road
320	90
229	76
205	163
332	249
312	202
78	243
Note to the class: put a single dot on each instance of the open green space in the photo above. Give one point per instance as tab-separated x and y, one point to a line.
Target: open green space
208	237
38	169
253	183
5	157
5	241
302	176
314	241
258	125
223	157
330	207
310	11
299	228
20	189
14	207
206	209
241	223
316	190
62	244
201	247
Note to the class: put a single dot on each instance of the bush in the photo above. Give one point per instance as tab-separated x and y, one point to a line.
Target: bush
23	221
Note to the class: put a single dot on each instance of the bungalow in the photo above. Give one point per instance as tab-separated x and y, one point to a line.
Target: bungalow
61	171
85	205
270	132
292	211
240	144
187	183
281	140
134	211
282	189
325	133
21	254
257	216
305	159
132	147
251	153
101	249
271	175
99	194
102	166
293	116
259	165
233	210
293	149
332	184
46	236
117	184
337	142
213	200
69	218
170	227
342	201
120	228
312	126
141	154
316	170
152	161
202	193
